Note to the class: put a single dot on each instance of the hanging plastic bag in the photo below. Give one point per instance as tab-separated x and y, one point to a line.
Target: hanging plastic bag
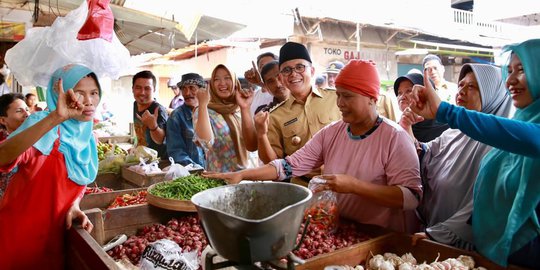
323	208
99	23
175	171
166	254
45	49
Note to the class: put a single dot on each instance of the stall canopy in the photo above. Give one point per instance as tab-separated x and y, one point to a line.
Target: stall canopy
140	32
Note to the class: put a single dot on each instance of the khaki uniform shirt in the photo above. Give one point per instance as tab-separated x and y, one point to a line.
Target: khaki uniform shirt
293	119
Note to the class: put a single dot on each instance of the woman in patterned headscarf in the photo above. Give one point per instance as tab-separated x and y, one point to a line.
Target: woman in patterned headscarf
507	190
55	155
449	164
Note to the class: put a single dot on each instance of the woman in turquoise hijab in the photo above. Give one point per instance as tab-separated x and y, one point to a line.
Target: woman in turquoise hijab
507	190
55	155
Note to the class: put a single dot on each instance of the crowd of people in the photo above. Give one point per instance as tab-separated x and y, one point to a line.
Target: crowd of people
459	167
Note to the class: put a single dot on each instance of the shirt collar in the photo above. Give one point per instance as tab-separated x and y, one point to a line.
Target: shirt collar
314	91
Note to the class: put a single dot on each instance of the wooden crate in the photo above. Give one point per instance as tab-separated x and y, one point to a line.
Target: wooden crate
115	139
114	181
103	200
141	180
84	249
399	244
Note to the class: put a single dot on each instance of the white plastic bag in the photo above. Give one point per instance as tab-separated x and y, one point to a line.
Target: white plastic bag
323	207
45	49
146	168
175	171
166	254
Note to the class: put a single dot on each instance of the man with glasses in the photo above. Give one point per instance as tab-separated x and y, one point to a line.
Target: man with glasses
307	110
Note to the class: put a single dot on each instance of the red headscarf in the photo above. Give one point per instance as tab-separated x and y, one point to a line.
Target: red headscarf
360	76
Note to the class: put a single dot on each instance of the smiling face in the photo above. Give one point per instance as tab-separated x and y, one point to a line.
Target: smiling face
223	83
299	83
468	95
404	88
189	91
143	91
517	83
274	85
16	113
88	92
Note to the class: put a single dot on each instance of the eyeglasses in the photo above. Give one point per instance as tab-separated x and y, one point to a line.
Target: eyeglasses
299	68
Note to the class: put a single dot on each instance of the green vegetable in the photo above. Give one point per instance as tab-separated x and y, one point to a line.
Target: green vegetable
184	188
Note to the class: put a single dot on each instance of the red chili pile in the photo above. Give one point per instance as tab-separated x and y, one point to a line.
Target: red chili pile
96	189
318	241
186	232
129	199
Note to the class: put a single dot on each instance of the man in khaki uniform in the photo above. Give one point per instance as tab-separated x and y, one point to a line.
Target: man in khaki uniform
308	109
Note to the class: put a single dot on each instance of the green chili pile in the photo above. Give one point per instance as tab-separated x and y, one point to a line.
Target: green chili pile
185	187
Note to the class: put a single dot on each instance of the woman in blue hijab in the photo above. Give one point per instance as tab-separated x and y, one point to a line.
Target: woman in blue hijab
507	190
55	155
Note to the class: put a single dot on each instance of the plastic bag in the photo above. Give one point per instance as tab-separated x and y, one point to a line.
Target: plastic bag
99	23
175	171
166	254
323	208
146	168
146	153
45	49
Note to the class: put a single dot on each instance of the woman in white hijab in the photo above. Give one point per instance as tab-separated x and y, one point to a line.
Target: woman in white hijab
449	164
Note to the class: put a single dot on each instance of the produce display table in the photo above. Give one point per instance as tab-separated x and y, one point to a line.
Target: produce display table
84	249
425	250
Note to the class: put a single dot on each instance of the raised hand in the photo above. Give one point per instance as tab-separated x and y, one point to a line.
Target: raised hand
409	118
229	177
148	119
244	98
262	119
424	101
253	76
203	95
68	105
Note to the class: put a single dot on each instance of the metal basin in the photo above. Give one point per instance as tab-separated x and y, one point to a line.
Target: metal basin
252	222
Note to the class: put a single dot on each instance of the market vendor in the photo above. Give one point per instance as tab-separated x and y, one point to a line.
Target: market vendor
149	117
181	145
368	160
56	157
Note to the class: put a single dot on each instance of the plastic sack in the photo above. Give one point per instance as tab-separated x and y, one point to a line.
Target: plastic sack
166	254
45	49
111	164
323	208
175	171
99	23
146	153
